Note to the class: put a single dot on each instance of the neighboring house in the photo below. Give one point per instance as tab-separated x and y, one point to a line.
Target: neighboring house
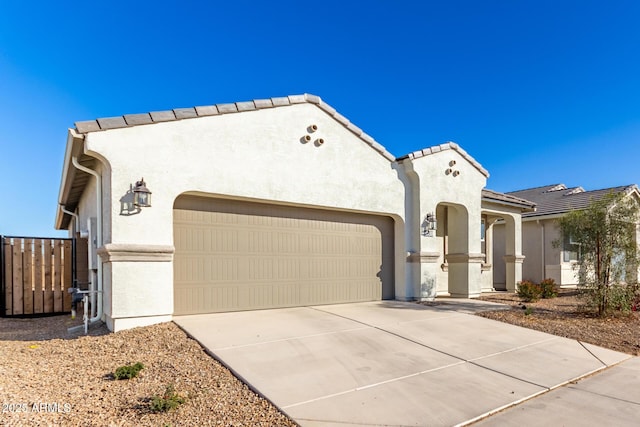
274	203
539	231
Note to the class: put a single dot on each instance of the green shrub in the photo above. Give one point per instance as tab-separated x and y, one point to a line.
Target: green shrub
529	291
622	298
549	288
127	372
169	400
528	311
612	299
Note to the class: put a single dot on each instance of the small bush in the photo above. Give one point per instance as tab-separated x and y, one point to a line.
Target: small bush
528	311
529	291
169	400
621	298
549	288
127	372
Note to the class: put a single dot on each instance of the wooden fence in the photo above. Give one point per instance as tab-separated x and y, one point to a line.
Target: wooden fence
35	274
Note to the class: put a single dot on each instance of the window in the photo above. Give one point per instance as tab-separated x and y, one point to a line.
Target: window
570	250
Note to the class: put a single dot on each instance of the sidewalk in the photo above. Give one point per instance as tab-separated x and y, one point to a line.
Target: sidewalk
609	398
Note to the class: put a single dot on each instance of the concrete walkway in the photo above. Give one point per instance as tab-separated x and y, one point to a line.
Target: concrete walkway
610	398
392	363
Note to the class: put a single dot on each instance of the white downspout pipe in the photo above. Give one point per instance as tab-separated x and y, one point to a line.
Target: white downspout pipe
75	218
542	249
75	163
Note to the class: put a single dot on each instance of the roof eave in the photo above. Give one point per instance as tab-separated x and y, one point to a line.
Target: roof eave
525	208
73	148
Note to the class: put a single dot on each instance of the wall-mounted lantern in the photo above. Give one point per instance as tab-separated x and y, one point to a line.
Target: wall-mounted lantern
141	195
429	225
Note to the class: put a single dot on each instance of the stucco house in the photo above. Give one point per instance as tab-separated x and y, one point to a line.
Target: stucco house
274	203
539	230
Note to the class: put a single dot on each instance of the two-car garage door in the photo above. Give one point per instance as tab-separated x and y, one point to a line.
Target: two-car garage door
233	255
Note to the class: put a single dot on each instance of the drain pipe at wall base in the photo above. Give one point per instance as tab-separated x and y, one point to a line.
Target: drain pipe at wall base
99	310
74	277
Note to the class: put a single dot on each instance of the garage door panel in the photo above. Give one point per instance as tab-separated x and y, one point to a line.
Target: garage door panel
234	255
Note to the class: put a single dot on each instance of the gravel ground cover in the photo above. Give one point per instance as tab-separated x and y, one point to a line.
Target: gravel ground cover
565	316
49	377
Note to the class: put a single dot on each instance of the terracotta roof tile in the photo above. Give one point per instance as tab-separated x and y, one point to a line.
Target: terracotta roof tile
138	119
112	123
163	116
227	108
280	101
297	99
87	126
263	103
185	113
207	110
246	106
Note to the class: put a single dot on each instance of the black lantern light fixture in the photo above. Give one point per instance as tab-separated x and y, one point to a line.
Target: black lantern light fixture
141	195
429	225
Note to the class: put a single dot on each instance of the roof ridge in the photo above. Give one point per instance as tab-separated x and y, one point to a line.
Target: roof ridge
617	187
534	188
558	187
574	190
129	120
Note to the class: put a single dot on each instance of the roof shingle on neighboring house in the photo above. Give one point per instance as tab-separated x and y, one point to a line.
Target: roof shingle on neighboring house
503	198
557	199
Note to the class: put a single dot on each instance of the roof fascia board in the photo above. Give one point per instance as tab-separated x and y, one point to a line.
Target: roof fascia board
523	207
542	217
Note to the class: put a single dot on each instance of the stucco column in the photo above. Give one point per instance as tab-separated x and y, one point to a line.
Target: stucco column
513	257
428	265
513	264
487	265
465	274
138	284
488	239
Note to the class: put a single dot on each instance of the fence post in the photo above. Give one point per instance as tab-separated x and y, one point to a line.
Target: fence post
3	296
38	293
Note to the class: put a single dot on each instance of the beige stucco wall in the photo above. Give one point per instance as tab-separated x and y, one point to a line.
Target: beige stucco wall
533	266
537	244
254	155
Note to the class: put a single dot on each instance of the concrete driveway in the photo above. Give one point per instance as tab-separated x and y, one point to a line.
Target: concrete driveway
391	363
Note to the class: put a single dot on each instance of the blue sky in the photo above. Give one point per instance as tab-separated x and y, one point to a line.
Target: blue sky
538	92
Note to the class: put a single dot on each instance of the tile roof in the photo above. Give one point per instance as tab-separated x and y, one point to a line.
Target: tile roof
558	198
442	147
495	196
129	120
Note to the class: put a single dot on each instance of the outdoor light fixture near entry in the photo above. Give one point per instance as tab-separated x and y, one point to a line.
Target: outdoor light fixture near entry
141	195
429	225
